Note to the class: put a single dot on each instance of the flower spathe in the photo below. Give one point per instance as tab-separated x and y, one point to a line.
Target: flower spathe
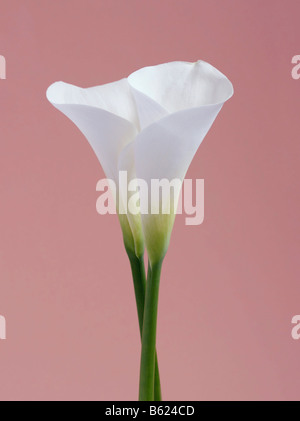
150	125
107	117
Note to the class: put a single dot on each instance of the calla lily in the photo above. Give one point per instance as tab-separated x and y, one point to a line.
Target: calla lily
107	117
177	104
149	125
162	113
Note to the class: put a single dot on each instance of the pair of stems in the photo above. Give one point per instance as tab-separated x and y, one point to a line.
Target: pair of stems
146	295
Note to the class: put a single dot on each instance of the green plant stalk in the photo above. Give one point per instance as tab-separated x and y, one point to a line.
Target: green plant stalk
139	281
157	386
147	369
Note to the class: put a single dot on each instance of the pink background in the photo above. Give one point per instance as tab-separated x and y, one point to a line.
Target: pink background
229	286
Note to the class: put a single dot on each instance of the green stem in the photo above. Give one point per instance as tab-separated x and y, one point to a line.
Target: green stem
139	281
157	386
147	370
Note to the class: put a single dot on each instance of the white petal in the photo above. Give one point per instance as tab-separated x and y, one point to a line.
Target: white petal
148	110
175	86
115	97
165	148
104	114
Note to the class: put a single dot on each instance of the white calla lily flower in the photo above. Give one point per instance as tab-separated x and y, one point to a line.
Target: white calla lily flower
151	126
177	103
107	117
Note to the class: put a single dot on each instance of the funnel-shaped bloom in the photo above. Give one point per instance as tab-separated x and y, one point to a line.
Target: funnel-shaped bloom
107	117
151	126
177	103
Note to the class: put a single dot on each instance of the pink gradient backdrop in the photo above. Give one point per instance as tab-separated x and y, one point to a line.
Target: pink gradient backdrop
229	287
